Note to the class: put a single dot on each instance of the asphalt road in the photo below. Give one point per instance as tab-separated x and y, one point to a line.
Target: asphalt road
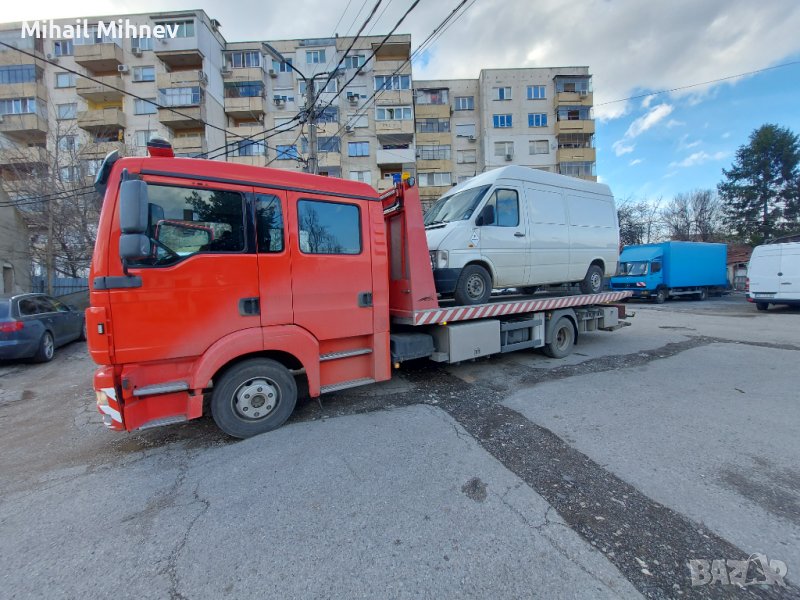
596	476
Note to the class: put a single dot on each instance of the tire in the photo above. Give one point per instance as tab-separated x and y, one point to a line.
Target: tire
593	282
703	295
474	286
82	336
661	296
247	390
563	339
47	348
762	306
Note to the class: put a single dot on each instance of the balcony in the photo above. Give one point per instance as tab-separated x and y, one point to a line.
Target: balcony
179	53
29	156
574	127
395	156
242	108
394	51
32	89
183	117
577	155
99	58
101	149
395	127
432	111
102	119
27	125
191	145
575	99
100	92
244	74
189	78
31	45
329	159
253	161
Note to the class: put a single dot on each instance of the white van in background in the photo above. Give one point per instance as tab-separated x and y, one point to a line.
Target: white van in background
521	227
774	275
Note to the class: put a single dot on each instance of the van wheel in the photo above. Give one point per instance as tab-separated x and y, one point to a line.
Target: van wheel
762	305
563	339
593	282
253	397
661	296
474	285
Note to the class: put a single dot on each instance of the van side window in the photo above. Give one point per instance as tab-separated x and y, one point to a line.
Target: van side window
185	221
269	223
506	208
328	227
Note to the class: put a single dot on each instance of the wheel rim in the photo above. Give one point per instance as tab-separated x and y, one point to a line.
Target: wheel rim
562	338
596	282
476	286
49	347
256	399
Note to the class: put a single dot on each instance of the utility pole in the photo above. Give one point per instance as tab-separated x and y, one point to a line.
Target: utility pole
49	257
311	99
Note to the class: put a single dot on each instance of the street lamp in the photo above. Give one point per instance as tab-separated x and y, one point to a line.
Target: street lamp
311	166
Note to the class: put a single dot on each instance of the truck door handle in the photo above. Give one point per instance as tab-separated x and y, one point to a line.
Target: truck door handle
365	299
519	234
249	307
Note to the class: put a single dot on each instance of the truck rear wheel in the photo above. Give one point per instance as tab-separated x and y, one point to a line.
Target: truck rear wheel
474	285
703	295
253	397
563	338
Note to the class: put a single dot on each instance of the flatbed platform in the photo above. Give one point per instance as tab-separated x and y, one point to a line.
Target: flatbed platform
500	306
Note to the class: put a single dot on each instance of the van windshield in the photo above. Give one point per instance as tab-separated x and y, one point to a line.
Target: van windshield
457	207
633	268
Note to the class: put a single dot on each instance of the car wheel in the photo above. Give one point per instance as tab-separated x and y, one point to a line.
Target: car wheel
593	282
474	285
82	336
253	397
762	305
563	339
47	348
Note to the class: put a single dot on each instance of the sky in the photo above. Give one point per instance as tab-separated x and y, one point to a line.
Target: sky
649	145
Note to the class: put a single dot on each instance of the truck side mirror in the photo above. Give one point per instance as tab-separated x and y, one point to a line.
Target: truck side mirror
487	216
133	207
134	246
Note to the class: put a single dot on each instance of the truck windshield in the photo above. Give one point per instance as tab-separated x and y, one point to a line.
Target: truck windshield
457	207
635	268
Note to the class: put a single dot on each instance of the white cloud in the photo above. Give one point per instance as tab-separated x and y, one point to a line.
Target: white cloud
620	148
674	123
684	144
648	100
698	158
653	117
726	135
635	161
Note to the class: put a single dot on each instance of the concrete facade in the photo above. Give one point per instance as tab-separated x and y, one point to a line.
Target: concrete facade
15	256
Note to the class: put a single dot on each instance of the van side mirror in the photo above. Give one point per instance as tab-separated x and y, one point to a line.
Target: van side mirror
487	216
133	207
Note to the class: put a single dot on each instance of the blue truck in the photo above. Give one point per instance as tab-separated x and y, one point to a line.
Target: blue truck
671	269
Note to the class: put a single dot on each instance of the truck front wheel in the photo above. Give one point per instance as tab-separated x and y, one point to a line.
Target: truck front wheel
661	296
563	338
474	285
253	397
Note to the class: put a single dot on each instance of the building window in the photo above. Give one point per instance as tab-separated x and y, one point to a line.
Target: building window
393	113
63	48
431	152
580	85
465	103
249	148
330	114
330	86
465	130
68	143
315	57
506	208
144	73
466	157
576	140
537	92
69	174
502	149
142	43
19	74
92	166
286	152
432	96
243	60
67	111
329	144
143	136
357	148
282	67
65	80
328	227
392	82
353	61
501	121
182	96
144	106
17	106
362	176
574	113
502	93
244	89
434	179
539	147
185	28
433	125
537	119
577	169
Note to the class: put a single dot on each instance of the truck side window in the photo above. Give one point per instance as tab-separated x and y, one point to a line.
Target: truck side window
269	223
655	267
506	208
328	227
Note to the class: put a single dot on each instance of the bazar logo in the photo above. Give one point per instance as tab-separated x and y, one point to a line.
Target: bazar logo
756	570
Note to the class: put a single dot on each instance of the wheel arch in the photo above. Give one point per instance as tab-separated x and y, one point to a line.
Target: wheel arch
482	262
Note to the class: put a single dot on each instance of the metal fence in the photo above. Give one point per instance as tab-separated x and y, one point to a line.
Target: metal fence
62	286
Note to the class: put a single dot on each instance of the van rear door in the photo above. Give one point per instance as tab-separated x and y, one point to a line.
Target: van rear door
789	278
765	264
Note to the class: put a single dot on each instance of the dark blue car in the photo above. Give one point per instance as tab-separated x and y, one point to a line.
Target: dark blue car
34	325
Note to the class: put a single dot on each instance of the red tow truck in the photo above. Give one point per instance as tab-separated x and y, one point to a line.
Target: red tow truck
218	286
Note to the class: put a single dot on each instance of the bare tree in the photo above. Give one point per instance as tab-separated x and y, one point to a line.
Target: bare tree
695	215
639	221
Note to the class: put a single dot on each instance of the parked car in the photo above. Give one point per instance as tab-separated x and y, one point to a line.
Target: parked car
34	325
774	275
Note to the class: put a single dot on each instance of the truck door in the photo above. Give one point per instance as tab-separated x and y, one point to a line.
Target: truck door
504	240
331	268
274	267
201	280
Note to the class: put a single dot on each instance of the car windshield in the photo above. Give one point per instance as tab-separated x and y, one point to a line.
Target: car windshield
634	268
457	207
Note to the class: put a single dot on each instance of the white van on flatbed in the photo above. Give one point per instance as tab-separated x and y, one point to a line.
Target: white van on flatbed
518	227
773	275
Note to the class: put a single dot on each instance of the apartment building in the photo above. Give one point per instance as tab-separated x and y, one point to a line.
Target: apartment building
537	117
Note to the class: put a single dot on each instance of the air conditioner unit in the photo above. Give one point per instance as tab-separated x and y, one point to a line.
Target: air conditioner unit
348	129
202	77
52	58
471	138
123	68
136	51
509	157
278	101
353	99
272	73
